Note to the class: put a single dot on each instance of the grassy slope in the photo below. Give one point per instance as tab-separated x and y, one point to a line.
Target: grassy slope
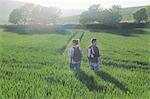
34	66
127	13
123	53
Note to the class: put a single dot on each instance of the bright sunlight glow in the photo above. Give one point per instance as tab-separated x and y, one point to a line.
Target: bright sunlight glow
84	4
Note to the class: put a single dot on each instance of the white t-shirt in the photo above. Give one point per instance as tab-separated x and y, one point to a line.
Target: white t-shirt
71	53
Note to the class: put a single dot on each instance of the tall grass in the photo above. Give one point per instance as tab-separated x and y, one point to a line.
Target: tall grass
37	66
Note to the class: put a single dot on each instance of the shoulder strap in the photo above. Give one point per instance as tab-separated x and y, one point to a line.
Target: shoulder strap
76	47
92	50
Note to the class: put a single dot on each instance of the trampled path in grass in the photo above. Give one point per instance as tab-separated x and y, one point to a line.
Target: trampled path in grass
84	78
102	74
119	64
36	66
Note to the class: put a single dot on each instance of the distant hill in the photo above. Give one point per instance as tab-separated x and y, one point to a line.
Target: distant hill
127	12
68	15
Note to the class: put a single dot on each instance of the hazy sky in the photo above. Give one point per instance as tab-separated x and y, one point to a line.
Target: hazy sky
84	4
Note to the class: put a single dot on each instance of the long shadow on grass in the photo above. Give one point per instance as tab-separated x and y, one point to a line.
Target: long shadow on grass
90	82
127	65
123	32
107	77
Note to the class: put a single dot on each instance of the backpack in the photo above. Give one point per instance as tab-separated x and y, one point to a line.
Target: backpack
77	54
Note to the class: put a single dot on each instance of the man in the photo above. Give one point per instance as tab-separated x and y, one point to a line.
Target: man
94	55
75	56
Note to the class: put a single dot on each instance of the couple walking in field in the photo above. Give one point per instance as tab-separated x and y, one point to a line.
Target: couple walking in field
76	55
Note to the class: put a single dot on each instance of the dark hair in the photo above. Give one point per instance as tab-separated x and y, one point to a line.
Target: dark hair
76	41
93	40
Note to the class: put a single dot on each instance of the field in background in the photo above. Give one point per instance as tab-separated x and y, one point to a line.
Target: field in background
36	65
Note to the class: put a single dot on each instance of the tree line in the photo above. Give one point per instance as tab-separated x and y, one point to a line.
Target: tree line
111	16
34	14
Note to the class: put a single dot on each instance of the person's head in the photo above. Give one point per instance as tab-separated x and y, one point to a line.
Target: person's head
75	42
93	41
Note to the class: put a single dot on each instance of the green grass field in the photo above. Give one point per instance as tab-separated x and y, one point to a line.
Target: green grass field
36	66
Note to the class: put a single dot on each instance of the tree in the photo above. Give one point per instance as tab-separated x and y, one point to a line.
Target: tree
96	14
106	16
116	11
20	15
49	15
14	16
85	18
140	15
112	16
34	14
148	12
27	9
92	15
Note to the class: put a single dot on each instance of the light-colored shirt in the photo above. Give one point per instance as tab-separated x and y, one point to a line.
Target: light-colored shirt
91	52
71	53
